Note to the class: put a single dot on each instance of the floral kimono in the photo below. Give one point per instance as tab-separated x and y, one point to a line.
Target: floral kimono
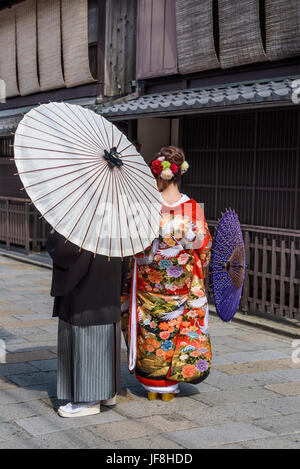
168	322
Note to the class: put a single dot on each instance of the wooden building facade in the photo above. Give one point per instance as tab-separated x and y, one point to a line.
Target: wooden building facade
219	78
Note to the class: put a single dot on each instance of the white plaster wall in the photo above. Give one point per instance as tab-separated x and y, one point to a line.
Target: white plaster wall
175	132
153	133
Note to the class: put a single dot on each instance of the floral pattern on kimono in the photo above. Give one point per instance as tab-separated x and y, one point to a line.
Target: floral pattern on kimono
172	328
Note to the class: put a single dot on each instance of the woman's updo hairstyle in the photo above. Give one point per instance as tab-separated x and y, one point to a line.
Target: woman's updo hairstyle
169	164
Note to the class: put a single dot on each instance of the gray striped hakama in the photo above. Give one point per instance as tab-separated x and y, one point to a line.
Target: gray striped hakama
88	362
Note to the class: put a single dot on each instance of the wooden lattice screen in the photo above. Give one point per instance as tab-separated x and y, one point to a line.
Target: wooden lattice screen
250	161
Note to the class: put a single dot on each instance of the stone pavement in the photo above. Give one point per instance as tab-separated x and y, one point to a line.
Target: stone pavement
250	400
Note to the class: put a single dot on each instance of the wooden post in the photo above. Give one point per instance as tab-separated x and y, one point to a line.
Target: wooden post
27	225
292	278
255	274
299	300
273	274
7	225
35	229
245	304
282	275
264	279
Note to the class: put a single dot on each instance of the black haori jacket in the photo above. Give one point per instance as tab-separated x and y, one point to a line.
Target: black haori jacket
87	290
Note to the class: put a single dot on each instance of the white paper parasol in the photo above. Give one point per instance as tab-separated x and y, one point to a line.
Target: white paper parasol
87	180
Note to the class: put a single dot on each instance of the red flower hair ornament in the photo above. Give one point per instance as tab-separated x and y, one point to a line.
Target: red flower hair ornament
166	170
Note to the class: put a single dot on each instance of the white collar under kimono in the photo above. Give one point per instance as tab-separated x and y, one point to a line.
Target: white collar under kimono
184	198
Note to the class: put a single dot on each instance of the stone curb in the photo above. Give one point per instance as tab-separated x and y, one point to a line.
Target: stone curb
269	325
25	260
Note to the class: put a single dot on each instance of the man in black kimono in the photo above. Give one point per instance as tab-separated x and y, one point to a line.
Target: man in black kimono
87	293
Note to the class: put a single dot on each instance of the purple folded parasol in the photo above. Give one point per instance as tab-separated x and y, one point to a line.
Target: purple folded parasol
227	267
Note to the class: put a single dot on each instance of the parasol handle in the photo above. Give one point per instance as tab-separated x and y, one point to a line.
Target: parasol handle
113	157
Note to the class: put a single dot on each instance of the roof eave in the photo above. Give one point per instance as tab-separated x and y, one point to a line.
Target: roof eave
200	110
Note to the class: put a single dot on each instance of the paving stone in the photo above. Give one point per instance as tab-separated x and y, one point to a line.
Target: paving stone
17	443
21	267
217	435
33	317
224	330
50	329
226	413
8	431
11	396
12	340
143	408
27	332
260	337
13	369
227	382
189	389
128	379
26	346
238	344
251	346
40	338
237	396
201	387
30	379
254	367
293	437
14	312
123	430
283	424
37	297
54	403
49	388
245	357
42	282
45	365
137	391
21	285
223	381
284	405
272	443
42	308
6	384
53	423
35	357
149	442
220	360
8	321
26	326
5	333
286	389
68	439
7	295
220	349
168	422
11	412
289	375
230	446
125	396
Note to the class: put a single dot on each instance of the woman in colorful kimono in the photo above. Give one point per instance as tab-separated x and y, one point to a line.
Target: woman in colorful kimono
167	326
